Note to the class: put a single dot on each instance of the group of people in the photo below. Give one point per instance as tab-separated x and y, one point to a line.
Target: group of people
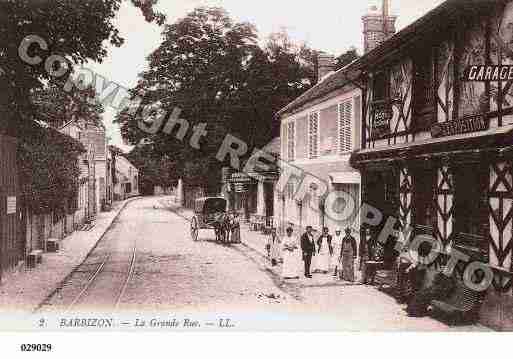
323	254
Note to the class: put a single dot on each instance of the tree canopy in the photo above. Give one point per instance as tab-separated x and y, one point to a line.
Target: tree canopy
214	70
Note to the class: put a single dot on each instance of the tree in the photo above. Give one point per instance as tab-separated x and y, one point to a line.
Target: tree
213	70
56	106
154	170
77	30
346	58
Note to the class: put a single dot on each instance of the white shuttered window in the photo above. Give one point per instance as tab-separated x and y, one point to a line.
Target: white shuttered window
345	120
313	135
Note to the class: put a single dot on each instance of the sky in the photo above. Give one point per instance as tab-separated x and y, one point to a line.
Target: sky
332	26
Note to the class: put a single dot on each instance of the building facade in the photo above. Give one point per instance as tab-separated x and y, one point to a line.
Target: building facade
436	146
127	179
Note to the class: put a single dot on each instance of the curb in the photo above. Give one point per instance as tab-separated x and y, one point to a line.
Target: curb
61	282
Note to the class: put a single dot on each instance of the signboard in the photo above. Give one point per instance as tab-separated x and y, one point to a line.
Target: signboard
381	115
240	177
11	205
460	126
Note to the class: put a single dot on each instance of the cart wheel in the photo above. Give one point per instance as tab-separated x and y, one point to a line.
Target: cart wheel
194	229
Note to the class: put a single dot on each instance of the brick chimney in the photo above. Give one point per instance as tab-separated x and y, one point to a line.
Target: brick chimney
325	65
378	25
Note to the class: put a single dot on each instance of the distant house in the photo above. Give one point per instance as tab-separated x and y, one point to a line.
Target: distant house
127	179
252	194
94	139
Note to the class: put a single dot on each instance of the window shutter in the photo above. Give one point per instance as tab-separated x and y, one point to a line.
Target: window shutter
313	135
291	145
345	121
284	141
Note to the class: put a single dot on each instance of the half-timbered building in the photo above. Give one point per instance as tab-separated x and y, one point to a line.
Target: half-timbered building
436	145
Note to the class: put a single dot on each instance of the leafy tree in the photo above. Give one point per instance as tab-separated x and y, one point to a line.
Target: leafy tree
49	170
57	107
213	70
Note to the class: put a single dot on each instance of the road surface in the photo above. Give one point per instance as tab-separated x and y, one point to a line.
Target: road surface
147	262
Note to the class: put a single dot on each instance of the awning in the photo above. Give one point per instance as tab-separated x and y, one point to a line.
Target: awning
349	177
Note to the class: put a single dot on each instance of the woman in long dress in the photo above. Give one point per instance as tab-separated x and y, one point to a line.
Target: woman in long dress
348	256
336	242
273	247
323	256
291	256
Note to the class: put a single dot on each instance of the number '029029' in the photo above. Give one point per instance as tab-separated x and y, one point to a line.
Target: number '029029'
36	347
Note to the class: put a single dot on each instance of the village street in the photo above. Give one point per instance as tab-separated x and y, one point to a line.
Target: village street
168	272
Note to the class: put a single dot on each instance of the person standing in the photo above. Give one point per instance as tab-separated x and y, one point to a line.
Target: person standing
324	251
291	258
308	249
273	247
348	256
336	244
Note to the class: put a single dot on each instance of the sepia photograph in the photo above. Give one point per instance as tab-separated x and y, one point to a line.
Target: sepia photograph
232	166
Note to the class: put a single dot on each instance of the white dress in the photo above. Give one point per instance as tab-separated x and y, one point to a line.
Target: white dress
322	256
274	246
336	242
292	261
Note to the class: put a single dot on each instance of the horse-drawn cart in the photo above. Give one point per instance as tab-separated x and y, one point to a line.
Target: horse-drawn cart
211	213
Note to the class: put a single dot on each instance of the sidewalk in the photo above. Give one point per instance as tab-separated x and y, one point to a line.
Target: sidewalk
256	242
28	288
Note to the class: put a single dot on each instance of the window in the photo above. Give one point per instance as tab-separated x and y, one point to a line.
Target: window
425	214
291	141
345	118
313	135
470	200
423	91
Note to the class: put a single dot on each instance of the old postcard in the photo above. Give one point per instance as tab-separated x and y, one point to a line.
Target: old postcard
227	166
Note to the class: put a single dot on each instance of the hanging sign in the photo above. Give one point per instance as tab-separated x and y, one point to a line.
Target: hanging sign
382	113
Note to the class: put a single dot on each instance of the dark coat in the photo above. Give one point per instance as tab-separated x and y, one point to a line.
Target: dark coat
352	241
307	246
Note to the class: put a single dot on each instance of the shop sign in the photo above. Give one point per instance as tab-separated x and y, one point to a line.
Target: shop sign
460	126
382	113
240	178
